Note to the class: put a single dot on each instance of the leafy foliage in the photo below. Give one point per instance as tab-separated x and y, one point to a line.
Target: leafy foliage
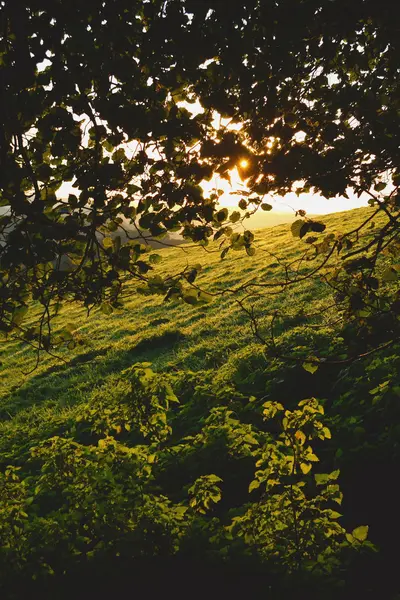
93	499
286	524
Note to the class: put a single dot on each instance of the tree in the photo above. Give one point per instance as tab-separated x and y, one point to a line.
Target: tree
92	93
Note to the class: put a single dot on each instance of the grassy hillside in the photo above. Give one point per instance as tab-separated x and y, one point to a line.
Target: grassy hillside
193	337
210	357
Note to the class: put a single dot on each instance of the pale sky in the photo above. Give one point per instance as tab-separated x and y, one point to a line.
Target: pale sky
311	203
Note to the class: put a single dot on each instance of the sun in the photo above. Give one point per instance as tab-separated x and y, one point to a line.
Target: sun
244	163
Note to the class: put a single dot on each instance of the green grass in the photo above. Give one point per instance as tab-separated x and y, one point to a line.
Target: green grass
171	335
212	348
214	339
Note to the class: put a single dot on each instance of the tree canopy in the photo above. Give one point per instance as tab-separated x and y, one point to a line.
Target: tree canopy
99	94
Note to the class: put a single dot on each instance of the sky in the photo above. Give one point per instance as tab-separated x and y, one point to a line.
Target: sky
312	203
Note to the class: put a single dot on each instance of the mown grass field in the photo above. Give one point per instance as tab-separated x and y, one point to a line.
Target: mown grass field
212	348
170	335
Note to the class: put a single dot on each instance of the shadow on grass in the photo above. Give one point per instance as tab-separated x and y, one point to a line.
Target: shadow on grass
66	383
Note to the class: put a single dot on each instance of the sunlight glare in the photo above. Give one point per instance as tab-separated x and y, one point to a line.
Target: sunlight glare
244	163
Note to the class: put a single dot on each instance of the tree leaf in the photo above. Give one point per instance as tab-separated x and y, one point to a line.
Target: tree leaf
317	226
235	216
360	533
305	468
327	433
321	478
311	367
254	485
205	297
296	227
19	314
261	188
300	437
222	215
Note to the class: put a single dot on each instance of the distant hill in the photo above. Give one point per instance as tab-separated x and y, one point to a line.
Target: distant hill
263	220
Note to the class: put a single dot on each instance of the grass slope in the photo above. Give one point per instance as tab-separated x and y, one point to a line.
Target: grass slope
214	344
167	334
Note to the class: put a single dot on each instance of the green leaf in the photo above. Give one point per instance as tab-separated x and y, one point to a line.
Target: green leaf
360	533
265	206
190	297
205	297
19	314
65	334
213	478
305	468
324	434
311	367
321	478
112	226
228	231
235	216
250	439
222	215
296	227
334	514
311	456
254	485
